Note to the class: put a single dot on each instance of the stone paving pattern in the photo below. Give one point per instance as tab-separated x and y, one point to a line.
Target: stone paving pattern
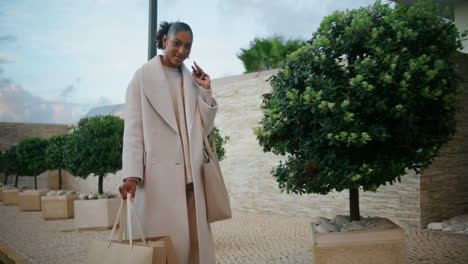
248	238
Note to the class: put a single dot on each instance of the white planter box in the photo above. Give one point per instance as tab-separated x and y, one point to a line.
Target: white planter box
96	214
10	196
30	200
364	247
58	207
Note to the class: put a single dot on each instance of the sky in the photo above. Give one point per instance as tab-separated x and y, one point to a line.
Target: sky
61	58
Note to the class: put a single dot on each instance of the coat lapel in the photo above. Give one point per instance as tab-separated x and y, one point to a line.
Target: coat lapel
156	89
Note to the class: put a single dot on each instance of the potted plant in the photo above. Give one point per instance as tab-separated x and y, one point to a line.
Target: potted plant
54	156
371	95
31	151
95	147
13	165
57	204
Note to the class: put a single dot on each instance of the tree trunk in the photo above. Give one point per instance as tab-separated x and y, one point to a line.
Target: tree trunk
16	181
100	188
5	181
60	180
35	182
354	213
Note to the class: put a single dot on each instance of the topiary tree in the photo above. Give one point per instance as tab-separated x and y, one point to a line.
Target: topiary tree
12	164
372	95
31	152
2	167
95	147
267	53
54	155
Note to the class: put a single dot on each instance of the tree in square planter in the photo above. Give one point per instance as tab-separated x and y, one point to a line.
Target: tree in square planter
12	165
31	152
371	95
95	147
54	155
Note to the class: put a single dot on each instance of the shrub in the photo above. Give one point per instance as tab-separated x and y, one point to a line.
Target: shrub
371	95
95	147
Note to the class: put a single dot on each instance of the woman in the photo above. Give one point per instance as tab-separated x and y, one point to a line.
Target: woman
166	107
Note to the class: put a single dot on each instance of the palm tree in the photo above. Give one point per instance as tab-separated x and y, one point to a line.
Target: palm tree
267	53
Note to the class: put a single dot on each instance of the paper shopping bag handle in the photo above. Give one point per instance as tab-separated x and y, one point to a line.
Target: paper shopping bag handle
130	207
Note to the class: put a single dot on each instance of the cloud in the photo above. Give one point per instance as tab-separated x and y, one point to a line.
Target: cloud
68	90
6	58
7	39
289	18
103	101
19	105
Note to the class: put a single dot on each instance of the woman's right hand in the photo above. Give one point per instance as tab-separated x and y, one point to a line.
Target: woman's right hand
129	186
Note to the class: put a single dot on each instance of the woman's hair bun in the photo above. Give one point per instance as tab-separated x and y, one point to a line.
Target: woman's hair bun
163	30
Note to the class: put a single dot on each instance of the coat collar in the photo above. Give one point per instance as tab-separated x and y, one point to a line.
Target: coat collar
156	88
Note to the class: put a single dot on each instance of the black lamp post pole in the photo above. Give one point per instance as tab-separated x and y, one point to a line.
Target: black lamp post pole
152	27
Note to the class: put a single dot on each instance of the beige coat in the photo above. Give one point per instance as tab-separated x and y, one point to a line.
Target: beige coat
152	151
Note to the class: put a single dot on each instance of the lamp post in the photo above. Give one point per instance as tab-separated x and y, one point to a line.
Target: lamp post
152	27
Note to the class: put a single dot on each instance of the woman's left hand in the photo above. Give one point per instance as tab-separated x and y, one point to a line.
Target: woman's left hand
201	77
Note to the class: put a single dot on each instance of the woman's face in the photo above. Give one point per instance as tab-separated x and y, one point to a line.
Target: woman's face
177	48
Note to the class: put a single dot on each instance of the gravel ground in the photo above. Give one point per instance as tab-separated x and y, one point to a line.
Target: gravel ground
247	238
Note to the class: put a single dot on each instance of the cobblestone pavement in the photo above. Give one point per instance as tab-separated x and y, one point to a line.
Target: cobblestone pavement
248	239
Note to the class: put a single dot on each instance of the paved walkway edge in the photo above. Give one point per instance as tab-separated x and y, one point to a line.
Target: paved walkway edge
8	255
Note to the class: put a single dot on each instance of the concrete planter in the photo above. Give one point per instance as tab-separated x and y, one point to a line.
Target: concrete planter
30	200
10	196
364	247
96	214
1	194
58	207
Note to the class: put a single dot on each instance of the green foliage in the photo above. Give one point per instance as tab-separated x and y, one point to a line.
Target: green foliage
3	167
220	142
12	165
372	94
54	154
2	162
31	152
95	147
267	53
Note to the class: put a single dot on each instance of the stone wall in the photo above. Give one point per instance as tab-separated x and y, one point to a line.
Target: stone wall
12	133
90	184
444	185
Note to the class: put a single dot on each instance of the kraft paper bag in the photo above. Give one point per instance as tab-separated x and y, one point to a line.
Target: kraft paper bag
156	250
